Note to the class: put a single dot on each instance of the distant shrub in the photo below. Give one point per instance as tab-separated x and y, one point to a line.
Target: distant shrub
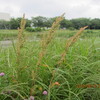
38	29
30	29
44	29
89	31
71	28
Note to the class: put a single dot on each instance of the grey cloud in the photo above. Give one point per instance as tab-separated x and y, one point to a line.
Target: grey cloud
51	8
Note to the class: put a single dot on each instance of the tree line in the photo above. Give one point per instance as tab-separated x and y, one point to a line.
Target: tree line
45	22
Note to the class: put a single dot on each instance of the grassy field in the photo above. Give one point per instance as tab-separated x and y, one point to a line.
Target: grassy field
12	34
77	78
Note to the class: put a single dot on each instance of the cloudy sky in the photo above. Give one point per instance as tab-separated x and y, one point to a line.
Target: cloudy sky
51	8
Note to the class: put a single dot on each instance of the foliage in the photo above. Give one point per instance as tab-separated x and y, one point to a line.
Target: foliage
4	24
40	21
80	22
95	23
72	80
29	71
38	29
13	23
30	29
45	22
71	28
66	23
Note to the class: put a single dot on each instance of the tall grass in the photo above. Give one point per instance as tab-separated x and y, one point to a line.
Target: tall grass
70	42
47	39
21	38
24	78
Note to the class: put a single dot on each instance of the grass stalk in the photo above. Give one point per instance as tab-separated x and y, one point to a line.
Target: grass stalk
69	43
46	40
21	39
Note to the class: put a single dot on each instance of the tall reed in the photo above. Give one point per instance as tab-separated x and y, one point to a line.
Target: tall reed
21	39
47	39
70	42
20	43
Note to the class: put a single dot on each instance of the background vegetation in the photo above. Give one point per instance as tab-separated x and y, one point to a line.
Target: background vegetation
41	21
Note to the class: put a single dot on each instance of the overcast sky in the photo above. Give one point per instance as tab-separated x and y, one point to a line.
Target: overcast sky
51	8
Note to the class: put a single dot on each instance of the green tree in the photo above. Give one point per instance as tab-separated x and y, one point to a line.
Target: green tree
4	24
39	21
66	23
15	23
95	23
28	23
80	22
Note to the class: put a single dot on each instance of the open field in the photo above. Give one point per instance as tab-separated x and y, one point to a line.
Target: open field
77	78
12	34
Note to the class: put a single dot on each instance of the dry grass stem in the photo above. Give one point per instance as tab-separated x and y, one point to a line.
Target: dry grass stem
47	39
21	38
70	42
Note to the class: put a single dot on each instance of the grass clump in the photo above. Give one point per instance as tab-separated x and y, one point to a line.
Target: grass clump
30	29
78	77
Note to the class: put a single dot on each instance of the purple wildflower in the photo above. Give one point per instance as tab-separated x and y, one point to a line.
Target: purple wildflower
2	74
31	98
45	92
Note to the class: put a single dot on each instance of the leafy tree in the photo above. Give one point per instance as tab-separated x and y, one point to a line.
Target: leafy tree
28	23
15	23
39	21
95	23
80	22
4	24
66	23
48	23
43	22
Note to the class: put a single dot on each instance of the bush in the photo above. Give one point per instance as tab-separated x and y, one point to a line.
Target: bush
30	29
43	29
71	28
38	29
89	31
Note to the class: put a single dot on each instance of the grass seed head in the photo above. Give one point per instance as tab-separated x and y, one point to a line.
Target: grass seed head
70	42
47	39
